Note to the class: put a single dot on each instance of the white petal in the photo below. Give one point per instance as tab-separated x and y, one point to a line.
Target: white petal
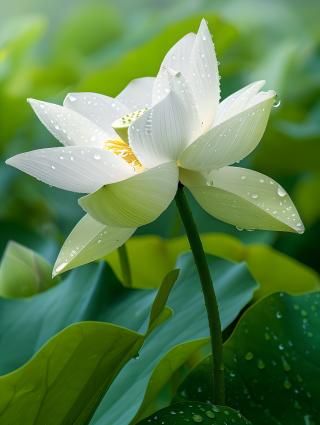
204	76
137	94
69	127
237	102
73	168
177	58
136	201
89	241
244	198
230	141
101	110
162	133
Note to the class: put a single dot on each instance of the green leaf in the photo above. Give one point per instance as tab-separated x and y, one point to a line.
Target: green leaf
148	374
23	272
195	412
75	368
152	257
93	293
68	377
272	366
162	296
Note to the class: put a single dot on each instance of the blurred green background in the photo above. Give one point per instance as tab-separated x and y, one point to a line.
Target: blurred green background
48	49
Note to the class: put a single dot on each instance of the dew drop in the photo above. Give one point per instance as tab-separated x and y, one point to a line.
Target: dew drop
261	364
243	177
285	364
278	314
281	192
276	102
249	356
197	418
215	409
297	405
266	336
96	156
53	167
204	37
255	195
72	98
92	139
261	181
239	228
209	183
298	224
210	414
287	384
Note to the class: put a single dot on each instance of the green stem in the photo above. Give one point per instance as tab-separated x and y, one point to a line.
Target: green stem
125	265
209	295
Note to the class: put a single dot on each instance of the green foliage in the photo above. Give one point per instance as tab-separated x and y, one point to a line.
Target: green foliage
76	369
271	363
196	412
152	257
92	293
23	272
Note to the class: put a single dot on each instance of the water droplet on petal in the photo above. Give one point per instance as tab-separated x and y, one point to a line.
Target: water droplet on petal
204	37
243	177
53	167
281	191
96	156
276	102
72	98
255	195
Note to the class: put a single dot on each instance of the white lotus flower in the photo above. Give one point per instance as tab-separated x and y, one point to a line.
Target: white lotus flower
176	130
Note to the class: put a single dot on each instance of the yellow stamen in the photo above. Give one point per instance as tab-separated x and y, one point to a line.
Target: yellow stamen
121	149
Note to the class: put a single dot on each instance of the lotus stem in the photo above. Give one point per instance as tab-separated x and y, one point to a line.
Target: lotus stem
208	293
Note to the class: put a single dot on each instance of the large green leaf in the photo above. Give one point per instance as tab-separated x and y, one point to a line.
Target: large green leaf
272	363
233	285
93	293
66	380
152	257
195	412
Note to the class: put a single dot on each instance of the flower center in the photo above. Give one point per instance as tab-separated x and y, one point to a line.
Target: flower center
121	149
122	124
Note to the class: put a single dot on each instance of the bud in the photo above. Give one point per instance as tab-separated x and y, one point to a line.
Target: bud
23	272
121	125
